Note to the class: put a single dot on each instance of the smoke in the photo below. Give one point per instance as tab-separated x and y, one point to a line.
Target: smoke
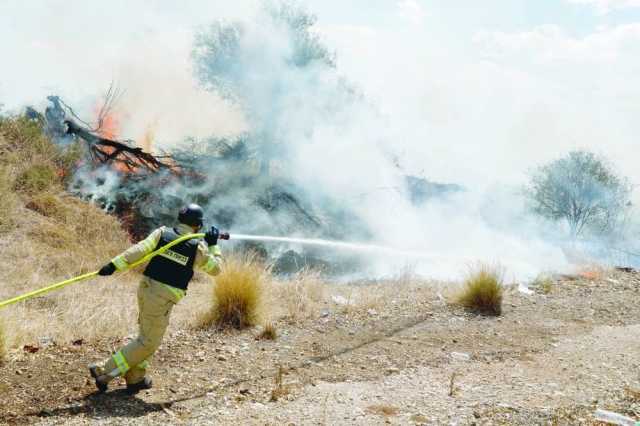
336	116
327	138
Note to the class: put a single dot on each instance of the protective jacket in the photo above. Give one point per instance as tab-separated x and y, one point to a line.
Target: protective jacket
173	268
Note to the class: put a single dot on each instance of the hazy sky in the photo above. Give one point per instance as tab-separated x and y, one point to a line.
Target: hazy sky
475	91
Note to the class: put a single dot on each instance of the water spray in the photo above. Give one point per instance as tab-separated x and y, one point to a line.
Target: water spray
333	244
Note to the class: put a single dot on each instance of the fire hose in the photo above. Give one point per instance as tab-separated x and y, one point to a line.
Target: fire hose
56	286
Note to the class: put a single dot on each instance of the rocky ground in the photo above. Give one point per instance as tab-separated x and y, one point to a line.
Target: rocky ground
549	359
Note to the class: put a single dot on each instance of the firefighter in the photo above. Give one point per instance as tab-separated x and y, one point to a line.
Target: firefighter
164	283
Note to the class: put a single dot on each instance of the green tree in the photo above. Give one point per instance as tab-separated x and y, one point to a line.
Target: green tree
581	189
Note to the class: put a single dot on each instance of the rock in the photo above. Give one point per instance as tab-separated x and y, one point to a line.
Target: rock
45	412
372	312
392	370
45	341
341	300
324	313
460	356
30	349
525	290
610	417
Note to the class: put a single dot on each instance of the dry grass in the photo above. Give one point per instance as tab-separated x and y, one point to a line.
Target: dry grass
383	410
452	384
9	201
269	332
544	283
238	295
48	236
3	345
482	291
280	389
297	298
36	178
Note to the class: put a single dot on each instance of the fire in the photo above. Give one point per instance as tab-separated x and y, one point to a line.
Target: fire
109	124
591	272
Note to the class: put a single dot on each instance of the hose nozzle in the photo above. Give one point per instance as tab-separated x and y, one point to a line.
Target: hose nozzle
224	236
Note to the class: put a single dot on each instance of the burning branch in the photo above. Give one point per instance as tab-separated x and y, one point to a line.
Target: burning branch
112	96
133	159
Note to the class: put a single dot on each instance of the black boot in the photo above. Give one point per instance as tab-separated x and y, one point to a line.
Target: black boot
101	384
143	384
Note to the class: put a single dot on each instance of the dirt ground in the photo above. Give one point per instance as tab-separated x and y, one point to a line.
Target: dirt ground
549	359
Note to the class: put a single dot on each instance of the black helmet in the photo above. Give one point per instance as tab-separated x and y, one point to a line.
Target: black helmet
191	215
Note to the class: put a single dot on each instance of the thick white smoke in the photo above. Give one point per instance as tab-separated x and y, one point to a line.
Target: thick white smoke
331	140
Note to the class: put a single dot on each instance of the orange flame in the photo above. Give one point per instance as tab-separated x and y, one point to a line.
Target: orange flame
110	125
591	272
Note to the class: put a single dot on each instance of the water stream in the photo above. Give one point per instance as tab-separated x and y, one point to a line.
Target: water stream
372	248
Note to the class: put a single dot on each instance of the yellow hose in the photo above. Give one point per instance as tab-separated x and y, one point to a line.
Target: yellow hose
79	278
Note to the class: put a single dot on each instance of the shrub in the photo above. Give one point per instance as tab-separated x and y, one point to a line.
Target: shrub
482	291
237	295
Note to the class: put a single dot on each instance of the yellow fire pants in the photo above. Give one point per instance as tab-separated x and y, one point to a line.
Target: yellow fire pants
155	302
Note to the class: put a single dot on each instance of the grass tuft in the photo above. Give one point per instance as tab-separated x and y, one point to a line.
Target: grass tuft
482	291
269	332
280	389
237	295
544	283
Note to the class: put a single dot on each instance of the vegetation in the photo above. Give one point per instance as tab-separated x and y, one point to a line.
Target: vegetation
53	236
279	389
301	296
238	295
482	291
544	283
582	189
36	178
3	345
269	332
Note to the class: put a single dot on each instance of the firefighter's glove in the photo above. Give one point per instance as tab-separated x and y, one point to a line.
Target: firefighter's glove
211	237
107	269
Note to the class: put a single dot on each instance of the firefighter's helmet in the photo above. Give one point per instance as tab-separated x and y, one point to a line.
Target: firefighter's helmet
191	215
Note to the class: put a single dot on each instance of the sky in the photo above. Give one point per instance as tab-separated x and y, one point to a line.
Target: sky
475	92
